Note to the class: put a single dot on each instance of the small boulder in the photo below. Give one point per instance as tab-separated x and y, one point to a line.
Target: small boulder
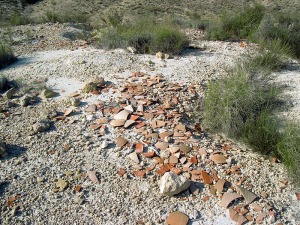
172	184
89	87
3	152
159	55
47	93
100	82
26	100
40	126
10	93
131	49
75	102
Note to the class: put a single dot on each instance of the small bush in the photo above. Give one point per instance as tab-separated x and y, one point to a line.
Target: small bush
288	149
146	36
243	104
6	55
236	26
72	17
18	19
283	27
271	56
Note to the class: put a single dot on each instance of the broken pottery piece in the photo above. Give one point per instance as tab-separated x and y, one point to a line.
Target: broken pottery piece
248	195
93	177
177	218
128	123
129	108
139	147
181	127
122	115
220	185
134	157
165	134
241	220
102	120
121	172
117	123
173	159
206	178
228	198
162	145
184	148
68	112
261	217
218	158
91	108
232	213
202	152
95	126
139	173
149	154
120	142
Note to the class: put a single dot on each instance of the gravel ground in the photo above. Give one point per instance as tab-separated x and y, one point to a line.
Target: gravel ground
69	149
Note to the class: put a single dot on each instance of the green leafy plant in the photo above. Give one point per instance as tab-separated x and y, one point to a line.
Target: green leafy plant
236	26
146	36
6	55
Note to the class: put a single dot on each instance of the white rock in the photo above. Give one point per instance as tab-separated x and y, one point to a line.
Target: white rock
104	144
172	184
89	117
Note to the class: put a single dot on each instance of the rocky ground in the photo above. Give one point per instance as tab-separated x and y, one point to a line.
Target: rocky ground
102	154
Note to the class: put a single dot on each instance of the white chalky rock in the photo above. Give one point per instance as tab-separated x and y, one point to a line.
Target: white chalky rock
172	184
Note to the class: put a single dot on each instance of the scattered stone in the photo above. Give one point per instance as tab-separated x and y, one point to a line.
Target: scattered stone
93	176
159	55
131	49
100	82
40	179
40	126
10	93
172	184
61	184
26	100
47	93
104	144
89	87
75	102
79	199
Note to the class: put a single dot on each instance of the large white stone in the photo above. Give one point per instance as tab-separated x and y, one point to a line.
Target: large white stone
172	184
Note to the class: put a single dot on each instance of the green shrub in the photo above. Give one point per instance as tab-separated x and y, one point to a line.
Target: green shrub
72	17
271	56
236	26
18	19
288	149
283	27
146	36
242	104
6	55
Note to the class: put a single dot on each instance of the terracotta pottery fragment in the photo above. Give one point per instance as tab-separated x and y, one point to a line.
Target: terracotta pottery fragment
177	218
